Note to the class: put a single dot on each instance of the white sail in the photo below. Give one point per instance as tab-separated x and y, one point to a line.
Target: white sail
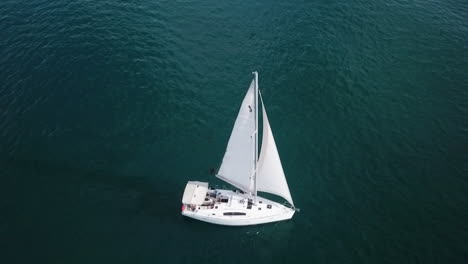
238	162
270	174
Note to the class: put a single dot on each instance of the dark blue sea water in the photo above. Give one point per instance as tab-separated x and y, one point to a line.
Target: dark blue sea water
108	108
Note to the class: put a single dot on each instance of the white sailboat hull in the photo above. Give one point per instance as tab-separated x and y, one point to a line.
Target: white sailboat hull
225	207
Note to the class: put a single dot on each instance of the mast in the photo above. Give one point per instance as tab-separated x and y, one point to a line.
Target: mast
256	137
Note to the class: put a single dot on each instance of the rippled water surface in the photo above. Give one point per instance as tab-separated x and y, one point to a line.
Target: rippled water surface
108	108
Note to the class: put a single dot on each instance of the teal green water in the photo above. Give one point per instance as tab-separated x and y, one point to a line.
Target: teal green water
108	108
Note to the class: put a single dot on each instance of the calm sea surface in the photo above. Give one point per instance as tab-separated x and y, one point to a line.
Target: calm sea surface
108	108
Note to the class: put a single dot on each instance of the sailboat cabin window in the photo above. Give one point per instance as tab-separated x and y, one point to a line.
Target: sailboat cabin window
234	213
224	200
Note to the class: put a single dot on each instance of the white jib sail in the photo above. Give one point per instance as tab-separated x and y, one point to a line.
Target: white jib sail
270	174
238	162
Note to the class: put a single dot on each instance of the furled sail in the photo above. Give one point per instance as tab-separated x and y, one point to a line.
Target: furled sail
238	162
270	174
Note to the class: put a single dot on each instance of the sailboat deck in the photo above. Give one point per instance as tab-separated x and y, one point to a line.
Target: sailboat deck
236	208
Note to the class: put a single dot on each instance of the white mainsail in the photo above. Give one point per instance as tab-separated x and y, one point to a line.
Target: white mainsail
270	174
238	163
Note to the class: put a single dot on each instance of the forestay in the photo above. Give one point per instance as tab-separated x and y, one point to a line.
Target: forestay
238	162
270	174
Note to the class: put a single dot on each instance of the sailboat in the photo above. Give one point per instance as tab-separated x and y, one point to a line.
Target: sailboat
246	170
